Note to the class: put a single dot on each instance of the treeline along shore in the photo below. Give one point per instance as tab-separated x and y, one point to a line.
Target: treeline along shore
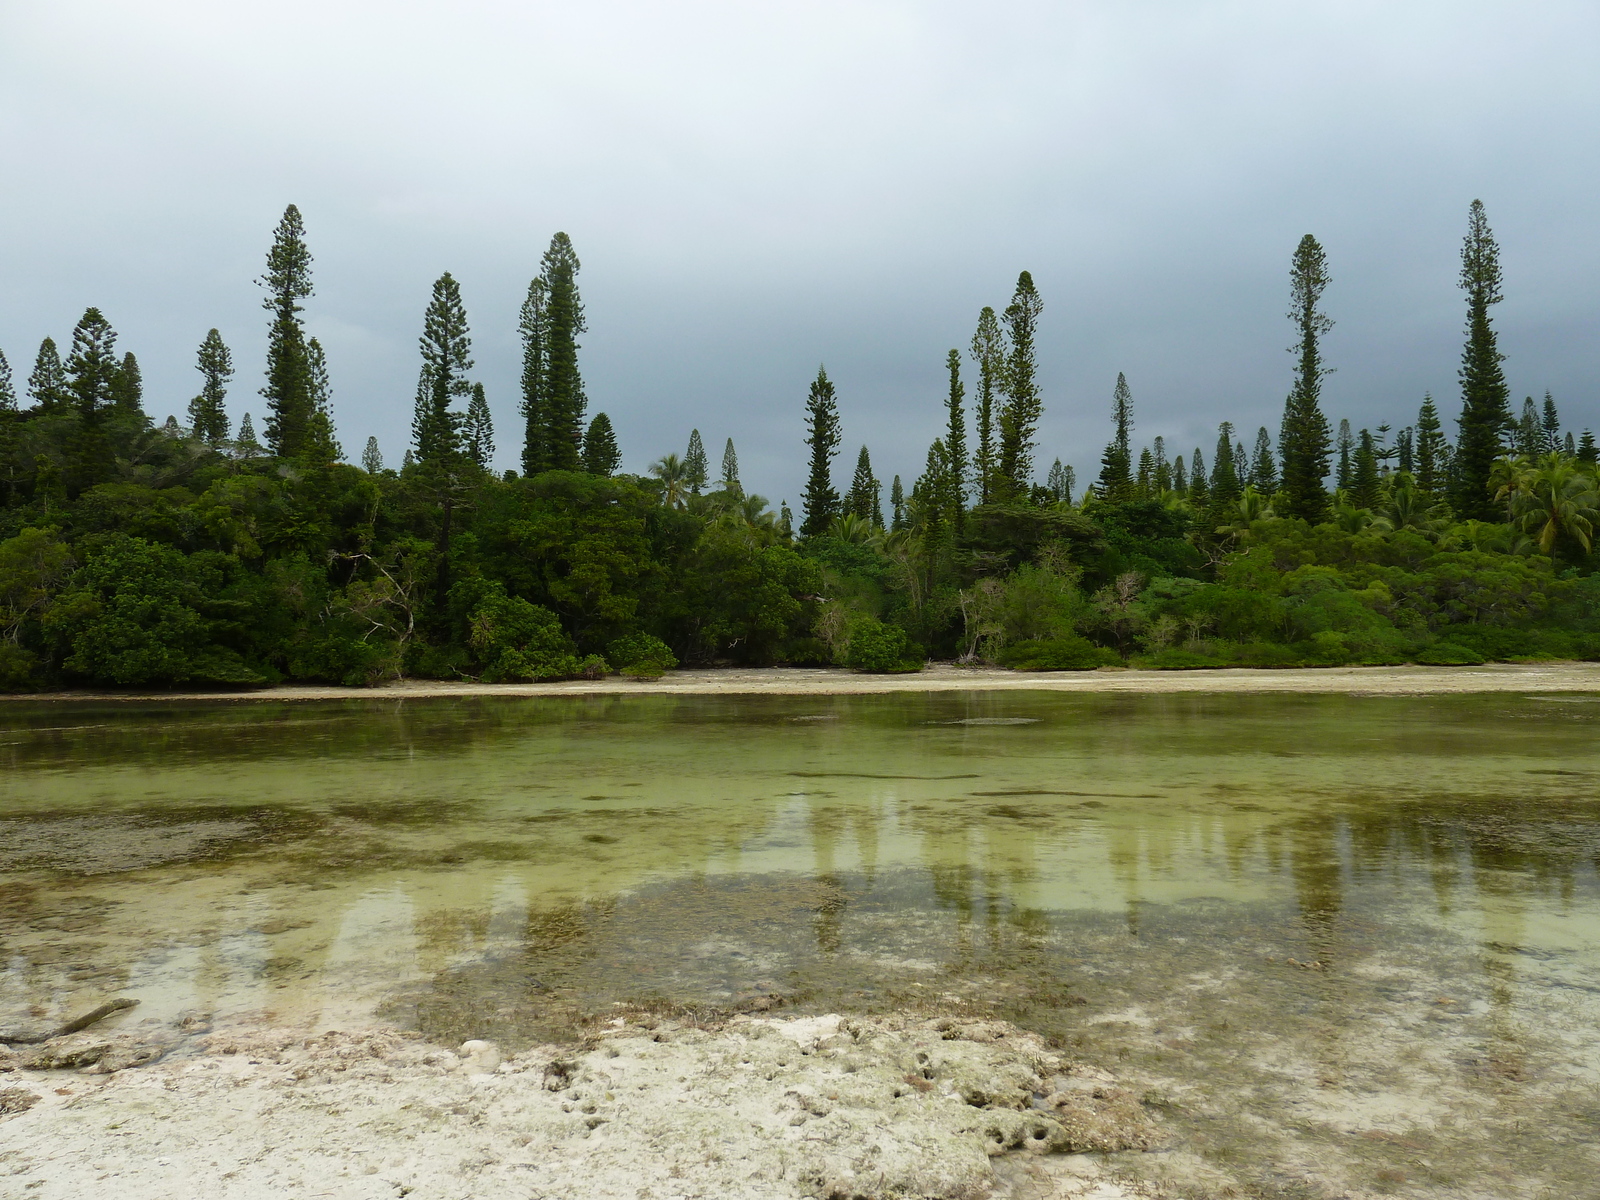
142	555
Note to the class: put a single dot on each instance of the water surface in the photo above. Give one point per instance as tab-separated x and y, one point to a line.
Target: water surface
1343	942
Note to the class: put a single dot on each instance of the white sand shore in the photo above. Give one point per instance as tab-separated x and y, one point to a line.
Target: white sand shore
942	677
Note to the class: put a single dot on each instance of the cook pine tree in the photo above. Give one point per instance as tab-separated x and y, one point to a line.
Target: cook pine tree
1304	436
1485	398
820	503
208	415
1019	415
288	390
553	399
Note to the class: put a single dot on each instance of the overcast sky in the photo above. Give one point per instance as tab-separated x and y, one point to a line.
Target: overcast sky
754	189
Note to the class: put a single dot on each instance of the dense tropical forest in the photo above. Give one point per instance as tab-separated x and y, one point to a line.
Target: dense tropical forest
136	554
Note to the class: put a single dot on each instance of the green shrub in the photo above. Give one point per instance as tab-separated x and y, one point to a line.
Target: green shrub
519	641
1070	652
641	656
880	649
1448	654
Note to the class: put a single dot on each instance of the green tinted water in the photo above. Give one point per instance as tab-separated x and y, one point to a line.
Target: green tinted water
1311	925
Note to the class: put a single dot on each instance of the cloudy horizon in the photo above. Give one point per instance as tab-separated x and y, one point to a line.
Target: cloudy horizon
756	192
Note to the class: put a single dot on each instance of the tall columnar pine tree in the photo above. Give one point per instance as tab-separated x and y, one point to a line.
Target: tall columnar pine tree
207	412
1144	480
1263	470
1199	492
695	468
1364	480
1405	451
47	385
955	433
1180	476
1116	478
321	445
91	368
1019	415
1060	482
989	355
1225	487
1568	447
863	498
600	453
1550	422
930	495
1587	451
1303	438
821	502
1161	481
480	428
446	345
531	325
785	521
897	504
372	457
245	445
127	388
730	470
1430	449
1529	437
1345	447
8	390
288	392
1485	399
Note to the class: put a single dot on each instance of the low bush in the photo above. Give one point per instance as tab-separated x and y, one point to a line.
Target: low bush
881	649
640	656
1066	653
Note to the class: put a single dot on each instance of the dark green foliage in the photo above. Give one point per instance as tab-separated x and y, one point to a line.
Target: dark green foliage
897	500
955	435
641	655
1199	484
532	327
563	401
479	428
696	470
1069	652
1364	474
1060	482
821	501
8	390
600	453
988	352
1485	398
1303	438
1344	447
864	497
880	649
1116	477
1225	483
321	445
372	457
1587	451
446	346
1431	449
47	384
127	388
730	469
207	412
1550	426
518	641
1019	415
91	368
1263	470
288	391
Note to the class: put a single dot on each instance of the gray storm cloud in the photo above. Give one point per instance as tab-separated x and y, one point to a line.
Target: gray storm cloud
755	189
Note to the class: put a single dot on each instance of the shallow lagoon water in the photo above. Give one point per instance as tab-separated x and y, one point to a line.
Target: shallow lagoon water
1340	941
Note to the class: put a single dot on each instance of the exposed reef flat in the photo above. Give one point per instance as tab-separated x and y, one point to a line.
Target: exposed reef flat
943	677
825	1107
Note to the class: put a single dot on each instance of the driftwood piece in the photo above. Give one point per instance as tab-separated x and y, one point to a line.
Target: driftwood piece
73	1026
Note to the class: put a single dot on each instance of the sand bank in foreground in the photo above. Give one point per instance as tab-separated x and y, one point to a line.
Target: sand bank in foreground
805	681
824	1107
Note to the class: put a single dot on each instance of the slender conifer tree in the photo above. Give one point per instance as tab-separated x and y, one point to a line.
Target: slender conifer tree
730	470
1019	415
446	346
480	428
1550	423
8	390
288	392
989	355
821	502
127	388
321	445
1364	477
695	468
564	400
1116	465
600	454
47	384
531	325
372	457
1303	439
955	436
1263	470
1344	446
1430	448
207	411
897	500
1485	400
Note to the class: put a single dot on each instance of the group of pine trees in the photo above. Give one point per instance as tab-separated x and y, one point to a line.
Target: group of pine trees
452	424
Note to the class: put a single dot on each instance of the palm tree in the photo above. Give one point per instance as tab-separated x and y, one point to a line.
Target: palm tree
1250	507
851	528
674	476
1550	498
1408	508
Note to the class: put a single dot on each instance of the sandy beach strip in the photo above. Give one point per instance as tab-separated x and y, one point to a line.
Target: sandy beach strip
939	677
